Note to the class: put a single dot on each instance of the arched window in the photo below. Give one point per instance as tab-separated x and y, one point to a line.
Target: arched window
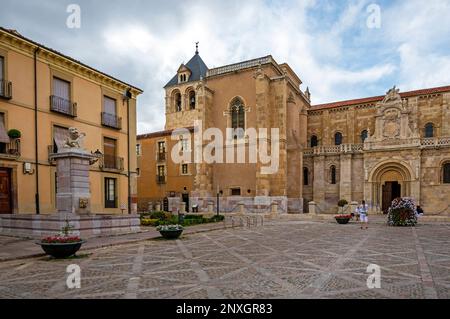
192	100
429	130
314	141
237	110
446	173
178	102
364	136
338	138
305	176
333	174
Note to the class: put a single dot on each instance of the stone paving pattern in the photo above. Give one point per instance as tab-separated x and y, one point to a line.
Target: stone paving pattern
282	259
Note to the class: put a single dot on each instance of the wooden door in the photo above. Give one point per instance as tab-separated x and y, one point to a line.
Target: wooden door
387	197
5	191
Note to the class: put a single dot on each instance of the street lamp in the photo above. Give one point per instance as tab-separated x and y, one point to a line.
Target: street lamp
218	194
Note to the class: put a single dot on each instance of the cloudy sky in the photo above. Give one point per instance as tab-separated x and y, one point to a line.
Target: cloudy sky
327	42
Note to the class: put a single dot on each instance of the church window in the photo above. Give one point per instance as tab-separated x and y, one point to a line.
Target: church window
178	102
446	173
192	100
338	138
237	110
305	176
314	141
333	174
429	130
364	136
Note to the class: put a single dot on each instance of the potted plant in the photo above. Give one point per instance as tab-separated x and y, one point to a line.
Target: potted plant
170	231
343	219
402	212
62	245
14	133
341	204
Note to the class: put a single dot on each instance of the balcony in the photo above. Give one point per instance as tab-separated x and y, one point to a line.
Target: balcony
5	89
63	106
111	120
10	150
161	157
108	162
160	179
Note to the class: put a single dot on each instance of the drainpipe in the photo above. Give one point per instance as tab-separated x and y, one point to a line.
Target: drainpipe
36	153
128	97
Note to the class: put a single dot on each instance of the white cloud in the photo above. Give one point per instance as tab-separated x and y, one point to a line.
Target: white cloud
326	43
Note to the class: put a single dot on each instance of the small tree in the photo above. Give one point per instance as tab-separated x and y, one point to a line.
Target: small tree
341	204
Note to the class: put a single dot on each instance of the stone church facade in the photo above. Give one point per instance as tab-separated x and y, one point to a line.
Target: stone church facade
374	148
380	148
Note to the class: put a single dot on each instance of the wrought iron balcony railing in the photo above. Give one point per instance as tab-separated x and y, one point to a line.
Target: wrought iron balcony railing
111	162
63	106
10	150
111	120
5	89
160	179
161	157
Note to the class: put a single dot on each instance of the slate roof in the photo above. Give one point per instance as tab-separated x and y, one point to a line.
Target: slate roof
198	69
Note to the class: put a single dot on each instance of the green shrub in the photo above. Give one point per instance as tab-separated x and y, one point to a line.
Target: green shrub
342	203
150	222
158	215
216	218
13	133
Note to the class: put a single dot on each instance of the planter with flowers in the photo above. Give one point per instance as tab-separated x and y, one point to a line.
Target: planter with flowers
170	231
403	212
343	219
62	245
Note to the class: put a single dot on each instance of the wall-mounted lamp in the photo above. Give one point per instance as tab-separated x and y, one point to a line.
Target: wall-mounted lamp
28	169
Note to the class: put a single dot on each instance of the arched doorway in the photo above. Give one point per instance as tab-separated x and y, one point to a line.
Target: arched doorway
387	181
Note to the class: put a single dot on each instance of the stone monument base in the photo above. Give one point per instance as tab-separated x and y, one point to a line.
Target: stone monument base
85	226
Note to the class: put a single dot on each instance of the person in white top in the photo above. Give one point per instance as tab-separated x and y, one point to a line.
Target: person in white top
363	210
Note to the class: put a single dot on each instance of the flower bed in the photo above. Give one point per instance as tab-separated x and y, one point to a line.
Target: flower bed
163	218
61	239
402	212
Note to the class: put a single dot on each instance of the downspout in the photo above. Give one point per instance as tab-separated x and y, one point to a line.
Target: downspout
36	153
128	151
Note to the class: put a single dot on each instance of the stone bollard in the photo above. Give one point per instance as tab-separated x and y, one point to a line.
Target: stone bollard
210	208
353	206
274	209
312	208
182	207
241	208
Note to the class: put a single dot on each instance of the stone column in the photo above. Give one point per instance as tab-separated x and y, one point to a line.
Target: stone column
319	180
345	183
73	191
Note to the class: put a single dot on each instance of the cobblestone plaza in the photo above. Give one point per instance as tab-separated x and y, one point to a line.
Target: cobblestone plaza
282	259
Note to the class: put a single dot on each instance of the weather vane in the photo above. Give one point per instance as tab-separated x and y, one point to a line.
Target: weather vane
196	47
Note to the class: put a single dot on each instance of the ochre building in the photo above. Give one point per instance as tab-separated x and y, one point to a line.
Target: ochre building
375	149
42	94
